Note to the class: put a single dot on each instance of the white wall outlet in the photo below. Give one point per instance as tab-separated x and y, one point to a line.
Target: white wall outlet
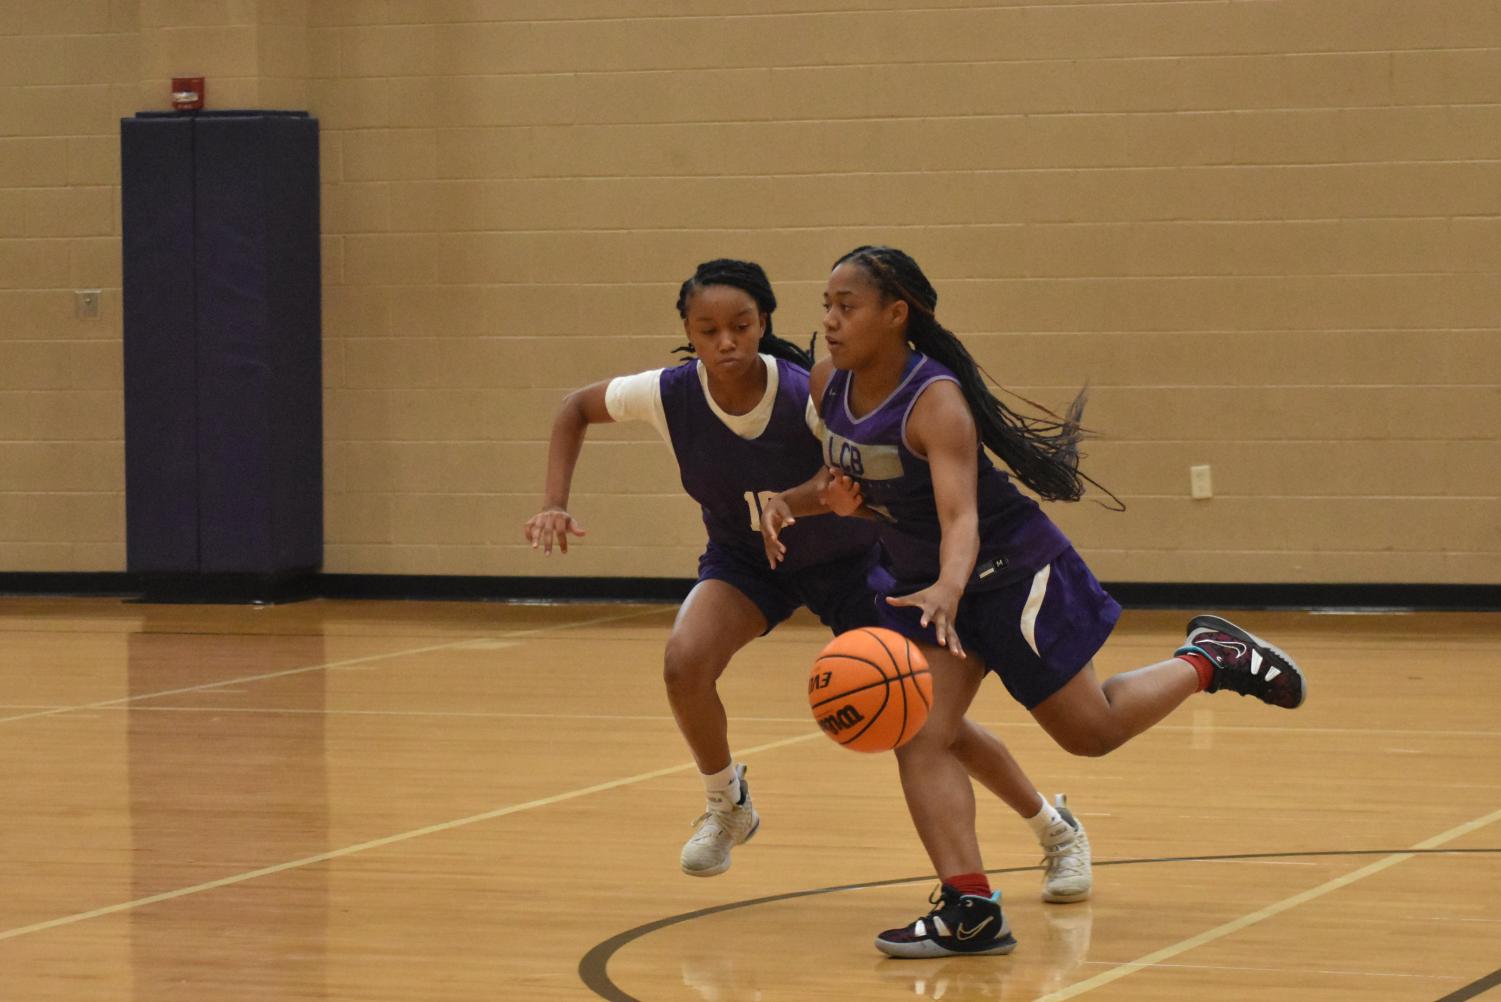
86	303
1199	483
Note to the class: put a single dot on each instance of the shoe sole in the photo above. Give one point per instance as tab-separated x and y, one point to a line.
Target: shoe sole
717	870
1067	899
927	949
1279	657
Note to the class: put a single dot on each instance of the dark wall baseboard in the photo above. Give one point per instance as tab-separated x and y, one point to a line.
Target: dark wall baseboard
231	588
505	589
1437	597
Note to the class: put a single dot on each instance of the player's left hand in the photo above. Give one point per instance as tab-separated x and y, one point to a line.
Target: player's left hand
940	606
842	494
549	526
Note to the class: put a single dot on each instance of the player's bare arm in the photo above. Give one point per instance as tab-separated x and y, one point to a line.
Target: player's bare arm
942	429
553	524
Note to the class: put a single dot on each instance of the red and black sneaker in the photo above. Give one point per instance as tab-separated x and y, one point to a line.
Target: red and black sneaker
959	925
1245	663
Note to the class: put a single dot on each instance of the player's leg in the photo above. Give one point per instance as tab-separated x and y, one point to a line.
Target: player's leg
715	621
987	759
849	594
939	795
1043	633
1000	628
966	917
1068	872
1087	717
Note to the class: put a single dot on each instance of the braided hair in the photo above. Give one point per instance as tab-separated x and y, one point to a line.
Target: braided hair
750	278
1043	452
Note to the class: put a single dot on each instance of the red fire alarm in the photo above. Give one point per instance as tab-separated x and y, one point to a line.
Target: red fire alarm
187	93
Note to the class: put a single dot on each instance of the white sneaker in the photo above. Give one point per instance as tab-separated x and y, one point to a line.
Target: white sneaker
1067	874
718	831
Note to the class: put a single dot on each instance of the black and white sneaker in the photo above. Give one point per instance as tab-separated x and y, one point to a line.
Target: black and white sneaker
1245	663
959	925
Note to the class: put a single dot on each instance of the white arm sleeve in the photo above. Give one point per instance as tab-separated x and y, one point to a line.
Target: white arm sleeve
638	398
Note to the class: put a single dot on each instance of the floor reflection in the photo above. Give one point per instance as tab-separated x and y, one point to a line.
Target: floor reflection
1044	961
217	793
1053	946
718	978
1066	942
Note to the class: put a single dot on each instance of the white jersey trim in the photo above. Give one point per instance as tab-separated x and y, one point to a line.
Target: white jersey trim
814	421
753	422
639	398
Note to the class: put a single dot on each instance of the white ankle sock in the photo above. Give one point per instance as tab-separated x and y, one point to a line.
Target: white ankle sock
722	788
1048	825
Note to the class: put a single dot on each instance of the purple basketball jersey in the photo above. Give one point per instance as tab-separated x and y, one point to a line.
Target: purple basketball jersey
731	477
1016	538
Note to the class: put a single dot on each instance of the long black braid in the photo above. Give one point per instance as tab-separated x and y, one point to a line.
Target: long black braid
748	277
1043	452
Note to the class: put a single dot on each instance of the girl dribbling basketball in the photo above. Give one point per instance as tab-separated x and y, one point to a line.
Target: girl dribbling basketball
979	567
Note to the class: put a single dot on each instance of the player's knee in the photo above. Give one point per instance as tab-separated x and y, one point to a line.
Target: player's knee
1090	743
939	733
688	670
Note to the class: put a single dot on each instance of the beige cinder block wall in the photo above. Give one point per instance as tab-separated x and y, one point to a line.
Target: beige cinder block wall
1268	235
68	73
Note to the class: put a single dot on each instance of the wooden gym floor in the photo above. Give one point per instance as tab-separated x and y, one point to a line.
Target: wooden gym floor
445	801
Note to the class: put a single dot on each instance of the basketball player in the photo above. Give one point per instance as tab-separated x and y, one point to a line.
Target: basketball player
980	567
735	415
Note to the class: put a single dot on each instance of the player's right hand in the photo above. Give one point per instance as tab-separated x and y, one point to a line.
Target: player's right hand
940	606
549	526
775	516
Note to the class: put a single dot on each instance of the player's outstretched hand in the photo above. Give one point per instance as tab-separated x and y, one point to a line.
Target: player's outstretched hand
549	526
775	516
841	495
940	606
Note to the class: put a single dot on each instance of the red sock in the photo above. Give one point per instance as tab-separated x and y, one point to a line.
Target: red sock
970	883
1200	664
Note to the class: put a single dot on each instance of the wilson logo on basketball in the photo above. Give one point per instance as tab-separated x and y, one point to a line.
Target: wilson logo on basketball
844	717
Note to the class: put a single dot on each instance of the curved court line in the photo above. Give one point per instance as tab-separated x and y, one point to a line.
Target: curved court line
1277	908
323	857
1478	987
592	969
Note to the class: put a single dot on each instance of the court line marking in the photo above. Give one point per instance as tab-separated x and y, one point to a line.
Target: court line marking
1290	970
1474	988
593	967
323	857
1256	862
509	635
1276	908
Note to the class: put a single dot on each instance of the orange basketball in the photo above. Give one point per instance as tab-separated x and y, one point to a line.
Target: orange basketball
870	689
